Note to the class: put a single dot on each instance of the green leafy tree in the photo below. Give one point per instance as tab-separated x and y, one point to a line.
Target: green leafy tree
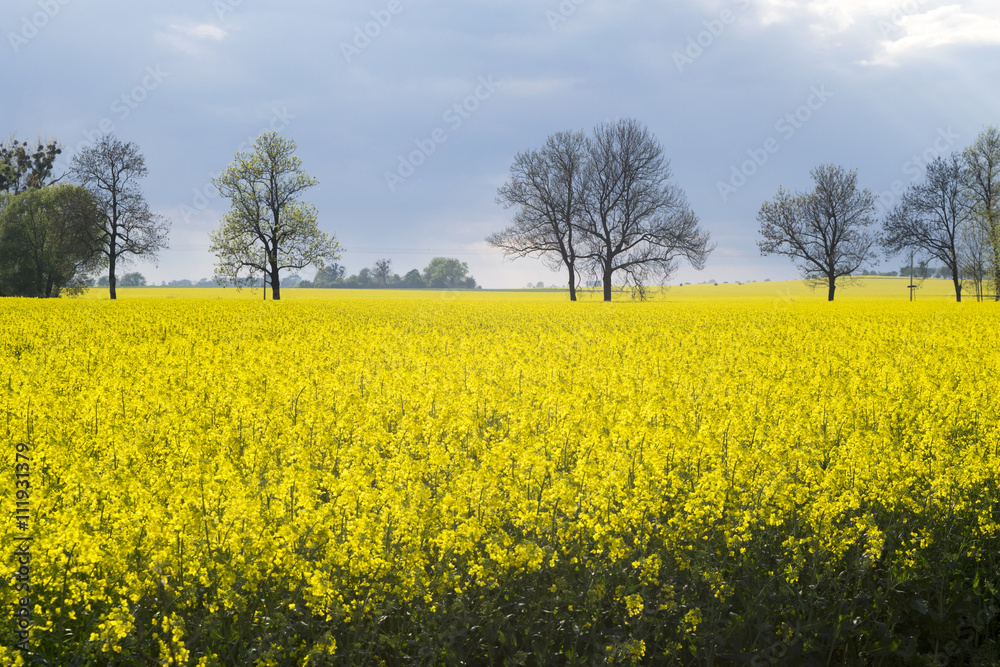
49	241
134	279
447	273
23	168
413	280
268	230
361	281
331	275
111	170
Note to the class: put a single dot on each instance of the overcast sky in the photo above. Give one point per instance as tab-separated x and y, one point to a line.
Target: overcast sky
409	112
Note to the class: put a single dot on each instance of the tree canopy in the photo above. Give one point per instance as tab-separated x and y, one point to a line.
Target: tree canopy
23	167
448	273
49	241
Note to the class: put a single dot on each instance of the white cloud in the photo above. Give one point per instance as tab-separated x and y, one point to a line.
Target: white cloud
832	16
898	28
189	38
201	31
947	25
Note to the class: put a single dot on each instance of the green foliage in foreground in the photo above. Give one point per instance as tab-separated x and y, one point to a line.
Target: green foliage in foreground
843	611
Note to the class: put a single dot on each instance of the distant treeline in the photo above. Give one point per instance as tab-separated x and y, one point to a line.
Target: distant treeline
920	270
136	279
441	273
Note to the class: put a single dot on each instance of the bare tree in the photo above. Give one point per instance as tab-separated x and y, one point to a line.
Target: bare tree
636	223
931	216
547	187
982	161
975	254
268	230
110	170
825	232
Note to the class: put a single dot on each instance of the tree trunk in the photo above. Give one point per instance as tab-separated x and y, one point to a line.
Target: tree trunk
572	284
958	289
38	284
607	284
996	278
275	285
833	288
111	276
995	242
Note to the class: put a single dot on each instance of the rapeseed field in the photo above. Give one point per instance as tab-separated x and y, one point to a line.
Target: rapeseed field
438	478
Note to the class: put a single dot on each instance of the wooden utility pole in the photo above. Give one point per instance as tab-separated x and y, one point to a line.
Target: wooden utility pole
913	288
